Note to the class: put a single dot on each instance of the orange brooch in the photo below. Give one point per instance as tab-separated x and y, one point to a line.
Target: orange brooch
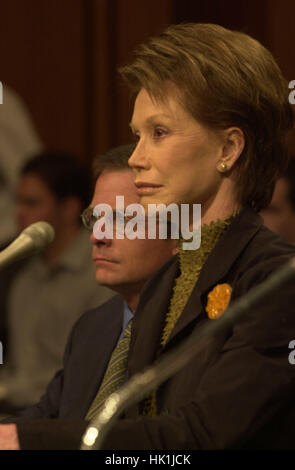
218	300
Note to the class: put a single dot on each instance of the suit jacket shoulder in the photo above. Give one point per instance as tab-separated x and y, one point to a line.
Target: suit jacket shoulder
88	349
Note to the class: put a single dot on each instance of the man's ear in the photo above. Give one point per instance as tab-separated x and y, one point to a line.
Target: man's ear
233	146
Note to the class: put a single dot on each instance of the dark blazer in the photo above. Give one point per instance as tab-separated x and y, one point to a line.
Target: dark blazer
236	393
71	391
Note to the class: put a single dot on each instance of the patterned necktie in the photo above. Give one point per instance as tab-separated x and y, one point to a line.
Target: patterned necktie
115	373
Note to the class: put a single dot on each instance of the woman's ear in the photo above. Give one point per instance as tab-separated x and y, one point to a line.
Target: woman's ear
233	146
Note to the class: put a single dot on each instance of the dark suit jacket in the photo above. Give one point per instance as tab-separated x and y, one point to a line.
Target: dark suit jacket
236	393
70	393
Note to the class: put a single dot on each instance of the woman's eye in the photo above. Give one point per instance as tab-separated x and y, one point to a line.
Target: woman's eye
158	132
136	136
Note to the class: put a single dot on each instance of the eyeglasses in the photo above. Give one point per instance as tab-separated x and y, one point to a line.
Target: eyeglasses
118	221
89	218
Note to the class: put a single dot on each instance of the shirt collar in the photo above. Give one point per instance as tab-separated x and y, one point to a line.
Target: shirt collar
127	315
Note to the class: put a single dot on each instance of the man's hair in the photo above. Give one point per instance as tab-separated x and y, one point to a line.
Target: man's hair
223	78
114	159
63	173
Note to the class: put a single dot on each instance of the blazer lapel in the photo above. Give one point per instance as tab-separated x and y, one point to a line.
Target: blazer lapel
150	316
90	357
154	304
219	262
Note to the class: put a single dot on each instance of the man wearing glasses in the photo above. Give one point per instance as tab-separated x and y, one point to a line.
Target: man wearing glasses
124	265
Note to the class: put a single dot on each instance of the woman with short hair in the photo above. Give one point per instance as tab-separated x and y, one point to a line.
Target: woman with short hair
211	116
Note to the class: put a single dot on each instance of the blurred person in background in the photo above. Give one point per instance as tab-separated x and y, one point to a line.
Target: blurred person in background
279	216
18	141
51	290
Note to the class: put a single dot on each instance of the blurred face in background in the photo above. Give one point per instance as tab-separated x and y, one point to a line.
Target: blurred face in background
35	201
279	216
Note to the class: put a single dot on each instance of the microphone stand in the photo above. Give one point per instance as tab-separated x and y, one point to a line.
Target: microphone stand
141	384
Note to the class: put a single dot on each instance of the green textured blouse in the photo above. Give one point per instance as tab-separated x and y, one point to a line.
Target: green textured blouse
191	263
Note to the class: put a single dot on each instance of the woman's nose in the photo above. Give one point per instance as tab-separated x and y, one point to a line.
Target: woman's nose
138	158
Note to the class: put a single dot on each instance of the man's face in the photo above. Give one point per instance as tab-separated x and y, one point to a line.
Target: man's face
279	216
34	202
125	265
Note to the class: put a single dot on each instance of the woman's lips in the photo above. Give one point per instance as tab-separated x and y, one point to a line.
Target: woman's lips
146	188
103	261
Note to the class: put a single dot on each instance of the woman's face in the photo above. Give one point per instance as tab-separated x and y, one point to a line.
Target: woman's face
176	158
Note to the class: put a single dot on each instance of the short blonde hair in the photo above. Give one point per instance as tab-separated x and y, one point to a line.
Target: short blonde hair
225	78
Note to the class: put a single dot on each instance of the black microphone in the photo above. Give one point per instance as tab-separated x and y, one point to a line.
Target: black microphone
32	240
140	385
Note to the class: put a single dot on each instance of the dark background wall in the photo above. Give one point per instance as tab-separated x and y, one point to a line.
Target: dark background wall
62	57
